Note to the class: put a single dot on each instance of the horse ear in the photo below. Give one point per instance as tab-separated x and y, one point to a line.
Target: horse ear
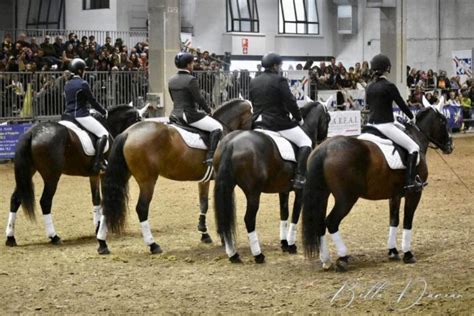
426	104
143	109
328	102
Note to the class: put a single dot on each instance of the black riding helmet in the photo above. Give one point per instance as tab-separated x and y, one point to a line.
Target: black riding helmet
271	59
77	66
183	59
380	64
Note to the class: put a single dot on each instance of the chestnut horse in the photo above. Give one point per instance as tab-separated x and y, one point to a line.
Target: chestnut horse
350	169
251	160
148	150
52	149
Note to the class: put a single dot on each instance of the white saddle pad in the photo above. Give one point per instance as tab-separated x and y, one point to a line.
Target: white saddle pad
284	146
193	140
86	142
386	146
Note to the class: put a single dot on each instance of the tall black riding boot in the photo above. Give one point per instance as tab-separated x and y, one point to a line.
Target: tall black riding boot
412	184
214	139
99	163
301	158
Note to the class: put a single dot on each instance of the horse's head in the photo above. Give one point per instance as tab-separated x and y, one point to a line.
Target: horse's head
235	114
316	121
120	118
434	125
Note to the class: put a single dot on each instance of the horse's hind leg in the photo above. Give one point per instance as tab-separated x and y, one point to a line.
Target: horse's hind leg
10	231
97	207
411	203
142	208
46	202
340	210
394	205
295	216
284	220
253	201
203	206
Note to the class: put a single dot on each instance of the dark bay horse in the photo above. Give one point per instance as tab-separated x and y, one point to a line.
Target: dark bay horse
251	160
148	150
52	149
350	169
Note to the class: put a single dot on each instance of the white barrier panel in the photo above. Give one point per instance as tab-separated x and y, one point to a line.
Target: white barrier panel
346	123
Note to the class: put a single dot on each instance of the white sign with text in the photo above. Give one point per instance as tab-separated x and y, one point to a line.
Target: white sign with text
346	123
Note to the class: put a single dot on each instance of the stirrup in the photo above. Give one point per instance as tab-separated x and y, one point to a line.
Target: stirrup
416	186
208	162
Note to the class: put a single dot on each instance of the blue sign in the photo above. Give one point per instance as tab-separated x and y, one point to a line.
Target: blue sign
9	136
452	113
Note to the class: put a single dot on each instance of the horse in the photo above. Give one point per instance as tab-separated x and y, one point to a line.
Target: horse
251	160
350	169
150	149
52	149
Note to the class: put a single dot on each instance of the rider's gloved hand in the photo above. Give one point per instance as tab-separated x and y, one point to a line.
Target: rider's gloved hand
301	122
106	115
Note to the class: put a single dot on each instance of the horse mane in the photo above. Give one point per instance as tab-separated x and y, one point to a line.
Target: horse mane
119	107
308	107
226	105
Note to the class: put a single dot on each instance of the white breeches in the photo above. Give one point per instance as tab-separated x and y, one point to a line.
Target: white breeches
93	126
207	123
398	136
297	136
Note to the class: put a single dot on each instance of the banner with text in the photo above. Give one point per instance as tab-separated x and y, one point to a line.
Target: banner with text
345	123
9	136
462	64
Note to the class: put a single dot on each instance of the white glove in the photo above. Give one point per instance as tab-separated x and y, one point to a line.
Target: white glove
106	114
301	122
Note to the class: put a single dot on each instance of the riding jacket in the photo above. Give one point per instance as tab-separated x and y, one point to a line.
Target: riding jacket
185	93
380	95
272	102
78	94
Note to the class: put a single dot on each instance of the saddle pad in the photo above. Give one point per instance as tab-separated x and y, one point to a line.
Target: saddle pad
86	141
193	140
284	146
386	146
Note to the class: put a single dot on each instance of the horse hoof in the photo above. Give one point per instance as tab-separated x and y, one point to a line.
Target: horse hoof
155	249
292	249
259	258
235	258
11	242
408	257
205	238
342	264
327	265
284	245
55	240
393	254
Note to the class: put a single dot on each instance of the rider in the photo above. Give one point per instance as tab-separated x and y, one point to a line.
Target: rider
272	103
380	95
185	93
78	94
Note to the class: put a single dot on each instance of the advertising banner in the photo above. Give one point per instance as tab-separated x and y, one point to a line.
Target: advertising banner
299	85
462	64
9	136
346	123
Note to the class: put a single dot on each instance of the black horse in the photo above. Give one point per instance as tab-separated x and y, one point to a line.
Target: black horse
251	160
52	149
350	168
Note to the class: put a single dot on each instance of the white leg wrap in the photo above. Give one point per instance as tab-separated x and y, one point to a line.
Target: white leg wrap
10	231
229	247
283	230
392	237
341	249
146	232
324	251
254	244
292	234
102	233
406	240
48	224
97	212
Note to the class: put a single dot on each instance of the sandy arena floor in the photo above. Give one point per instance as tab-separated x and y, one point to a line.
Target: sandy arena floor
190	277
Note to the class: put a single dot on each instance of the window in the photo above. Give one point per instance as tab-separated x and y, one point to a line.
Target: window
242	16
298	17
95	4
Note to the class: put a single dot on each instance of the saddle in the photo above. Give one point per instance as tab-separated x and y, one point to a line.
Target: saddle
286	148
395	155
192	136
86	138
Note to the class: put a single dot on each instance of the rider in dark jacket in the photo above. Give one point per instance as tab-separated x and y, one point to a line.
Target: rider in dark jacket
186	95
272	103
380	95
78	94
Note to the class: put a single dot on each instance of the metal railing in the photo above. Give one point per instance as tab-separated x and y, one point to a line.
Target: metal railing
40	95
129	38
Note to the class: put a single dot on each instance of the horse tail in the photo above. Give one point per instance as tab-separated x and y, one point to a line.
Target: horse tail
224	203
25	190
315	197
115	187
